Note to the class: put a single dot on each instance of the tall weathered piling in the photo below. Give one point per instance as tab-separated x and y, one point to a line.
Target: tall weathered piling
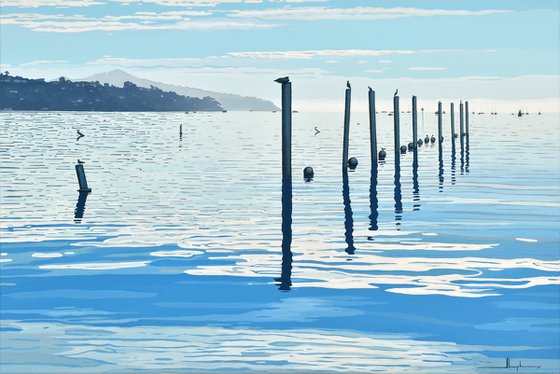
440	126
286	127
372	128
414	124
452	112
346	139
461	120
467	117
82	181
397	129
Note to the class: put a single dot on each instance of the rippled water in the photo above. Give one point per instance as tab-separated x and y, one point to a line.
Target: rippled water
175	260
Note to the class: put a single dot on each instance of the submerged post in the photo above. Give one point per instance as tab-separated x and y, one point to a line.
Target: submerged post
452	110
372	128
286	127
440	126
414	124
397	130
467	117
346	139
82	181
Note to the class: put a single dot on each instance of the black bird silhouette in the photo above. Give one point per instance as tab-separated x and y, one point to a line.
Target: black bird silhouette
348	84
79	133
282	80
396	92
316	130
370	88
81	162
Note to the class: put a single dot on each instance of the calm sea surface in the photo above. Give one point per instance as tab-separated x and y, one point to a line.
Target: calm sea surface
178	259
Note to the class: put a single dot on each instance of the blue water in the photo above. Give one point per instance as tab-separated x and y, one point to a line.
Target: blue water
180	260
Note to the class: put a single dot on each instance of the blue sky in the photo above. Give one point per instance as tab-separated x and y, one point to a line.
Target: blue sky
497	52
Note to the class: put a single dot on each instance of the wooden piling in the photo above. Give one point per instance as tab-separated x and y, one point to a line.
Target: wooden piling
397	129
286	129
346	139
467	117
372	128
414	124
440	127
82	181
452	111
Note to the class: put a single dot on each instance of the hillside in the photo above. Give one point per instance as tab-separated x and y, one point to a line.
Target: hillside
18	93
228	101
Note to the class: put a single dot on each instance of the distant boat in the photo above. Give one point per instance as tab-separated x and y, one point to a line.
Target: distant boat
539	113
224	111
273	111
295	111
519	114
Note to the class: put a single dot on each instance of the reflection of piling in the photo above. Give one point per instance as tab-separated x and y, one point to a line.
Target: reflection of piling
467	155
348	216
440	171
372	128
414	125
346	139
80	206
397	130
286	129
82	181
285	279
398	196
415	184
467	117
373	201
453	163
440	126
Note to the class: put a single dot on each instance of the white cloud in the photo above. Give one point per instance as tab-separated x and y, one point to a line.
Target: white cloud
309	54
374	71
190	3
385	61
55	3
175	20
44	62
426	68
356	13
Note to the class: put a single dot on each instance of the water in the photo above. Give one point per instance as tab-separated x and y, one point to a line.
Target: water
176	261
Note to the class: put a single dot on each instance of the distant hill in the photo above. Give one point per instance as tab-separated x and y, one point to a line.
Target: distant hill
18	93
227	100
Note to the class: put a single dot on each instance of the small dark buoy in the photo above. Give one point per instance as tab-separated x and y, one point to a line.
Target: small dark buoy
410	146
382	154
455	135
427	139
308	173
403	149
433	139
420	142
352	163
441	139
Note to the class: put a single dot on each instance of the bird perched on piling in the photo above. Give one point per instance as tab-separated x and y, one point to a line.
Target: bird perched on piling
396	92
370	88
81	162
348	85
282	80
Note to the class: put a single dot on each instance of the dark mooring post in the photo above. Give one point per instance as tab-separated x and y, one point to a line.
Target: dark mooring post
346	139
440	126
82	181
414	124
452	111
286	127
467	117
461	120
372	128
397	130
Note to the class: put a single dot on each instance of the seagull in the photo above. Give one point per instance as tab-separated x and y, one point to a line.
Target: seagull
396	92
81	162
79	133
348	84
316	130
370	88
282	80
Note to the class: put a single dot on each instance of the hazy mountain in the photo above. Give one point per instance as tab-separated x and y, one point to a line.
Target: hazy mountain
18	93
228	101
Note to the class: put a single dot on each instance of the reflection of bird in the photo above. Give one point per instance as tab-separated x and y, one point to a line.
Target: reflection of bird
81	162
348	84
282	80
316	130
396	92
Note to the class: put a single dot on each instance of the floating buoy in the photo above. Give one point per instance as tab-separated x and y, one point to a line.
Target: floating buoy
433	139
427	139
382	154
352	163
308	173
420	142
410	146
455	135
403	149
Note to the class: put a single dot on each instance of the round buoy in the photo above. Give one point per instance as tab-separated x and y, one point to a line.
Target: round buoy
382	154
420	142
433	139
410	146
427	139
308	173
352	163
403	149
455	135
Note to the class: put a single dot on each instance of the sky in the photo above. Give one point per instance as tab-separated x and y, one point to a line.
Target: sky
500	55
